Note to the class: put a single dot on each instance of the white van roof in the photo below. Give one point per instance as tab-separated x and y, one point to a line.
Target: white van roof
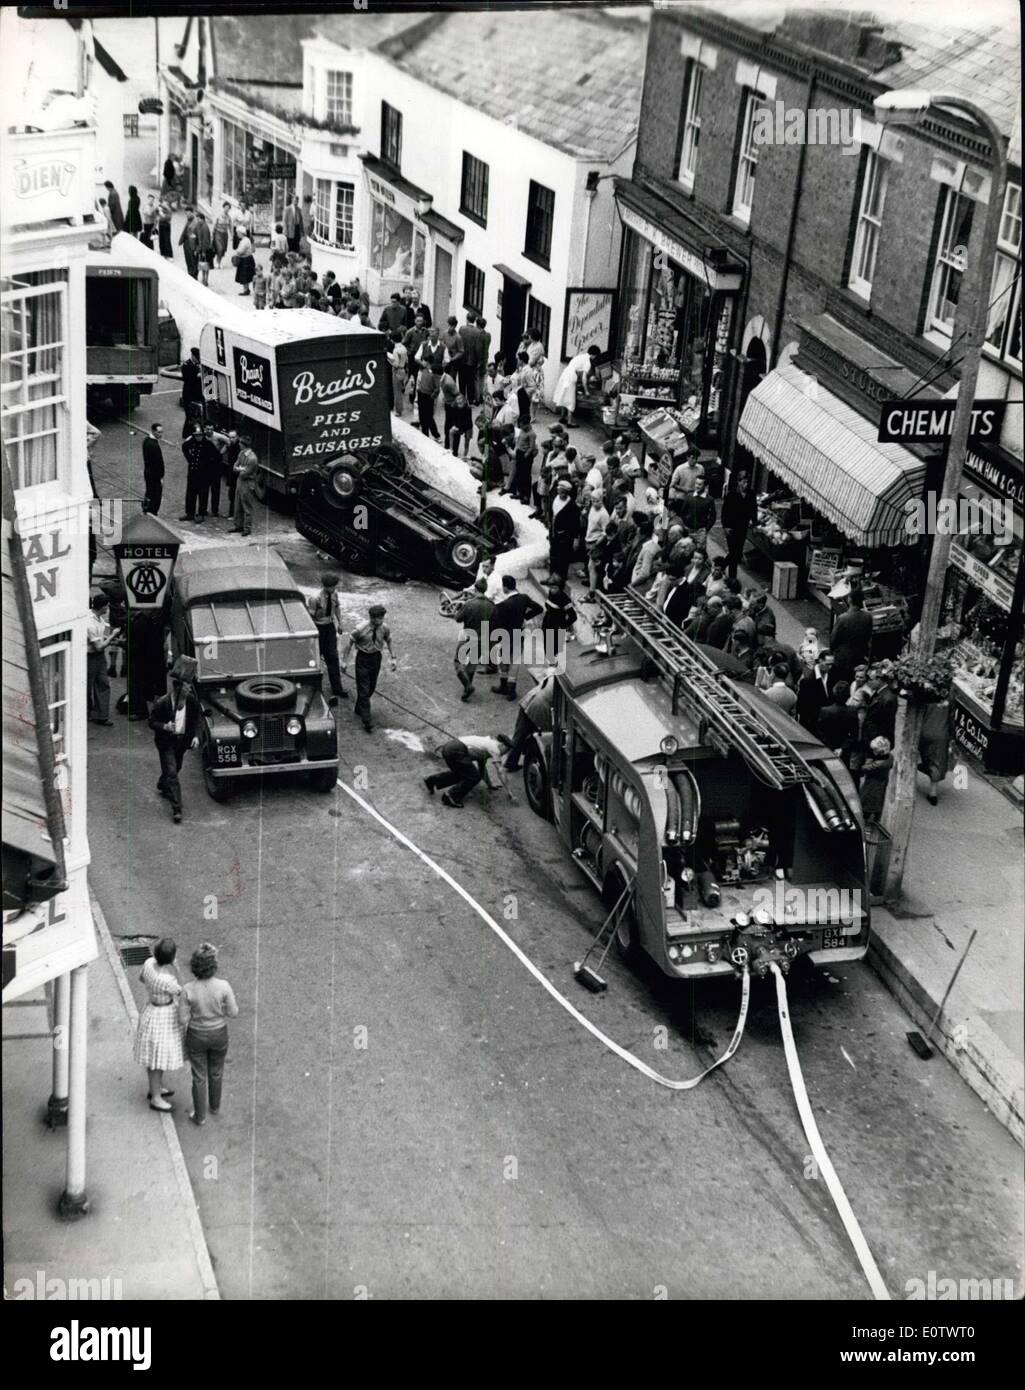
276	326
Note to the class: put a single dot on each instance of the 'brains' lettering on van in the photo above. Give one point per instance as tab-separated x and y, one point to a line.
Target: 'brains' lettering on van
354	383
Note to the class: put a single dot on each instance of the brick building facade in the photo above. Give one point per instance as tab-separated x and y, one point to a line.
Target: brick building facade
764	183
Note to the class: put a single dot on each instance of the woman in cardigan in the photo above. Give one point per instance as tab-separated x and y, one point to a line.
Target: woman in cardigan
245	264
158	1042
133	212
206	1004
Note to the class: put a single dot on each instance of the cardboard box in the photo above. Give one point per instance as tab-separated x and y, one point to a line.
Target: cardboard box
784	579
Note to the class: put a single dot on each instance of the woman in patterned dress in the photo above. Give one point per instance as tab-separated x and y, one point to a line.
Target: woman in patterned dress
158	1040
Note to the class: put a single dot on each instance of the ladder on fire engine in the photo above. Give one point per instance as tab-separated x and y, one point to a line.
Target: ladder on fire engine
701	687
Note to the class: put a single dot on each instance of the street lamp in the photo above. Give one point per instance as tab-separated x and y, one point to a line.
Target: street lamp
910	107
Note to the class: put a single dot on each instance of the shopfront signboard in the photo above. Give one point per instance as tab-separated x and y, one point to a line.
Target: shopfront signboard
994	586
930	422
970	733
587	321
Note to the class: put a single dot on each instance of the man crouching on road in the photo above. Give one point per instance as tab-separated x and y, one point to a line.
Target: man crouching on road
174	719
466	759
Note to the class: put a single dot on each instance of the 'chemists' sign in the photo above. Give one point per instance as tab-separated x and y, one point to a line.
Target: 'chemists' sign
146	570
931	422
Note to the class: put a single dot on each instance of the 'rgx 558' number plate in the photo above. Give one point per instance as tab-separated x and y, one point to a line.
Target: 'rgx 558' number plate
227	753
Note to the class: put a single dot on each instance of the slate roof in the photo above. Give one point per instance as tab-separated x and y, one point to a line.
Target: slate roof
571	79
268	47
974	54
978	61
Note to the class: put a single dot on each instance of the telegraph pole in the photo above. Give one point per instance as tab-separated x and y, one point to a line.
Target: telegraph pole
898	812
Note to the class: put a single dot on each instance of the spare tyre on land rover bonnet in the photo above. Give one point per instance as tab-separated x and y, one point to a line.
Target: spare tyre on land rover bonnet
265	693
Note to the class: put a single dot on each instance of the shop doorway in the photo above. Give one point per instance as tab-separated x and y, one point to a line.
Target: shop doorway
514	313
441	308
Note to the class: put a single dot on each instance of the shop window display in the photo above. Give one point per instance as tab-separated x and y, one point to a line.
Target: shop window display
391	243
978	624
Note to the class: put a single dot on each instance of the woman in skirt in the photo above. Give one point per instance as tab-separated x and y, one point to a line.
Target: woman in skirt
934	746
222	231
245	265
158	1040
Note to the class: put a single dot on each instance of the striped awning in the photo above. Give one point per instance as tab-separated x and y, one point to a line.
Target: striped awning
829	455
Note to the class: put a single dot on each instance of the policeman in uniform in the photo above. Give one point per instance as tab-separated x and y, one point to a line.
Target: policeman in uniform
327	614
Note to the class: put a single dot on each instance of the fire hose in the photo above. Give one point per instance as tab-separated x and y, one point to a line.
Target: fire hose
818	1149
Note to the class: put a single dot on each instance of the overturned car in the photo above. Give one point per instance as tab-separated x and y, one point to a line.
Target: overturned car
370	511
243	618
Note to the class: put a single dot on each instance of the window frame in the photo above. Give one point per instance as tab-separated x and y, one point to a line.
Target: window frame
536	216
391	134
868	224
944	266
56	376
474	274
341	185
467	186
690	123
1008	252
746	171
58	648
545	324
345	117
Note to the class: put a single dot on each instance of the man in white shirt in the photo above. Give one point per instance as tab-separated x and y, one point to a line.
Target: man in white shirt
98	637
494	590
466	759
685	480
644	567
596	519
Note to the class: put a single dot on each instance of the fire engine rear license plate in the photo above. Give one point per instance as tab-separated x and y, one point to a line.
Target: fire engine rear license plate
833	936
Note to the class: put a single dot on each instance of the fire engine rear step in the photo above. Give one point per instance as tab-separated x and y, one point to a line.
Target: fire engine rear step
698	684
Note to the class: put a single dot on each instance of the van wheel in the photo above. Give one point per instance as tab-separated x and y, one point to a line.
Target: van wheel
627	946
324	779
535	782
219	788
498	526
343	482
460	555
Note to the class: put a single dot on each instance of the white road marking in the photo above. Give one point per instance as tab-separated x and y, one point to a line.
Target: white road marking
407	739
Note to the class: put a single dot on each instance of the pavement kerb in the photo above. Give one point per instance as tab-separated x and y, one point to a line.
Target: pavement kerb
981	1059
181	1172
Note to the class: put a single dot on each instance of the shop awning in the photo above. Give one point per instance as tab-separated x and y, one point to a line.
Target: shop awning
829	455
682	240
388	175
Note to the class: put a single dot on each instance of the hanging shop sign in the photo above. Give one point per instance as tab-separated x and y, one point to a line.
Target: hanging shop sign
931	422
587	321
994	586
720	359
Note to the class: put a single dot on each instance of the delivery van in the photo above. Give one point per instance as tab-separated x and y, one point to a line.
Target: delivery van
305	385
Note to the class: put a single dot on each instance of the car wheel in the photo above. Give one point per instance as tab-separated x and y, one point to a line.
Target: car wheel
460	555
265	693
498	526
390	462
324	779
219	788
344	479
535	782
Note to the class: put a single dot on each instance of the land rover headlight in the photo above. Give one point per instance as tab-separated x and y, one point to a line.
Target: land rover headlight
669	745
249	729
294	727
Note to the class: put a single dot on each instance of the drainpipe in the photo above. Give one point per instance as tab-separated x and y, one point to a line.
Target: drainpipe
792	229
201	51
